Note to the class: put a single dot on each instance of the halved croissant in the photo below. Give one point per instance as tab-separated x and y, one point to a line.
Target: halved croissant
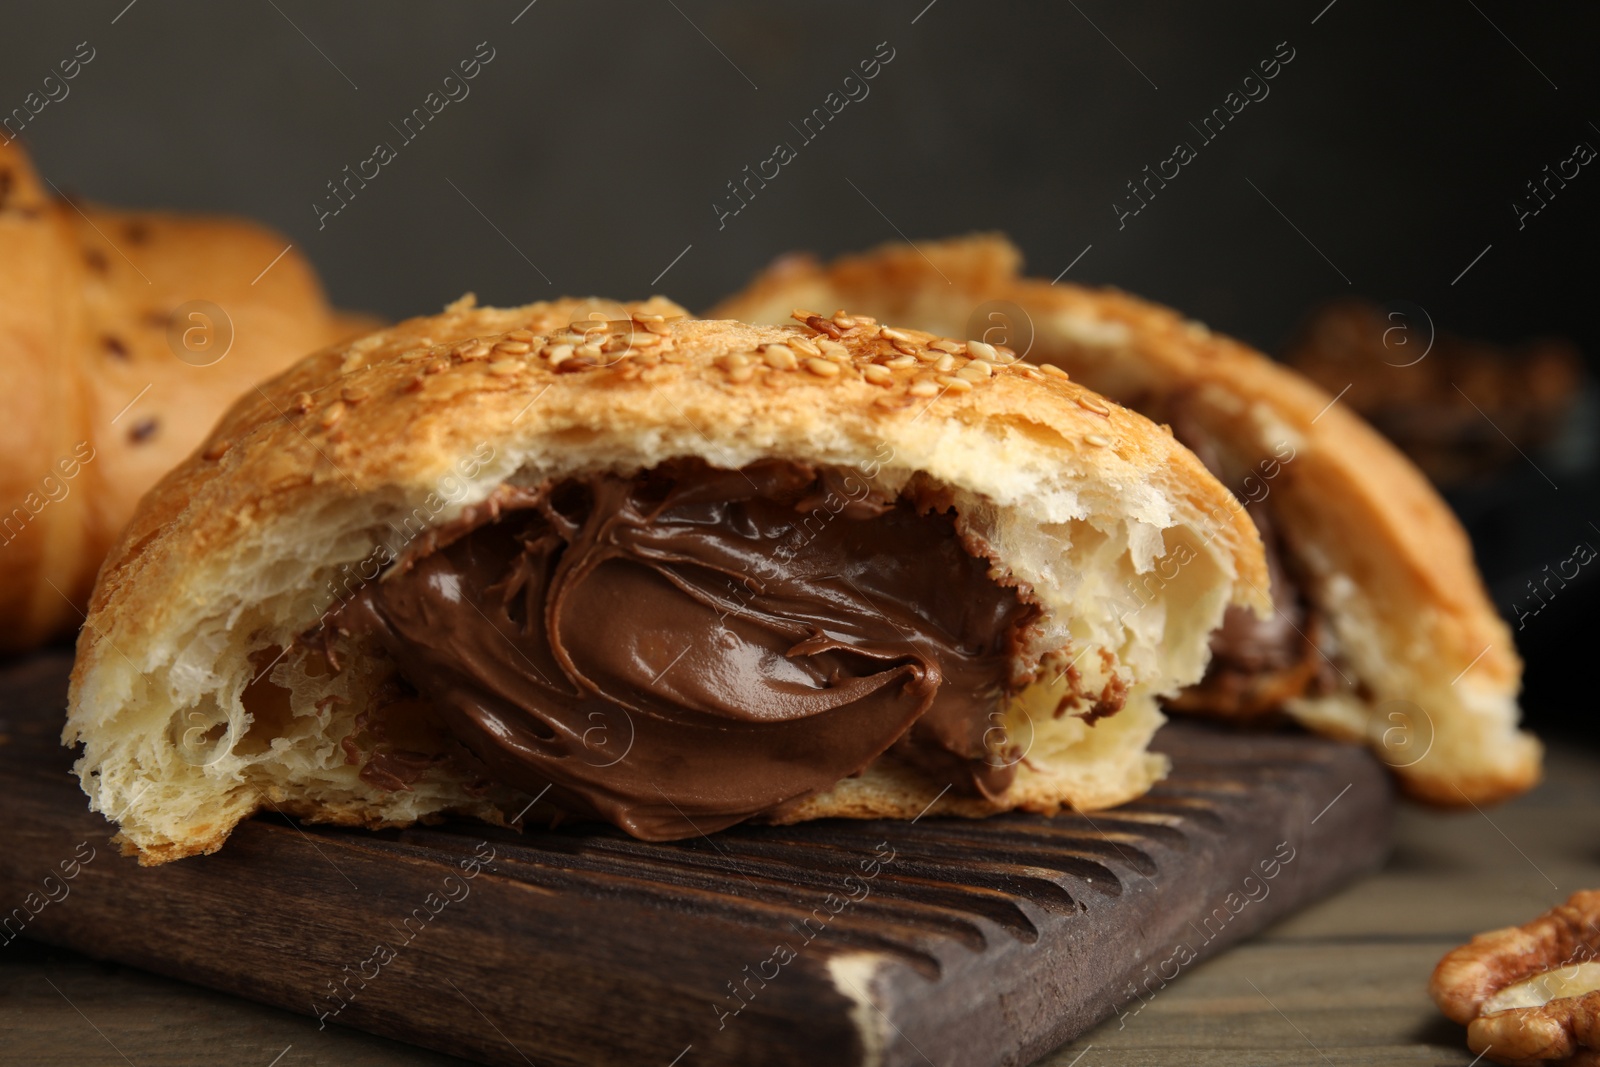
1392	614
723	636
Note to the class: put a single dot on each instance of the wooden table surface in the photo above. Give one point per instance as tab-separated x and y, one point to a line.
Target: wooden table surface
1342	983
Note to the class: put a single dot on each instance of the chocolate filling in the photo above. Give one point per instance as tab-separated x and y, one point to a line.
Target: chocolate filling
1256	664
682	649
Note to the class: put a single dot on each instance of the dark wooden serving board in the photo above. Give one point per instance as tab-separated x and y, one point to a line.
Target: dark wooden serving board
978	942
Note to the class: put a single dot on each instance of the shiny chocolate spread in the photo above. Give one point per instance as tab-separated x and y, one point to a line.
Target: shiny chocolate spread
681	649
1257	664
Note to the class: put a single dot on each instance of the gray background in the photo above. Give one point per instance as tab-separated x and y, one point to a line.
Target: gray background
602	132
597	140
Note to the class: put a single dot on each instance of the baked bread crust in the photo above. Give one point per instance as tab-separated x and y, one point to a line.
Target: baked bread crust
220	570
1386	559
91	374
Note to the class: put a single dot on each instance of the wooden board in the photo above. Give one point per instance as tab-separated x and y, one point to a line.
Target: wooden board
973	942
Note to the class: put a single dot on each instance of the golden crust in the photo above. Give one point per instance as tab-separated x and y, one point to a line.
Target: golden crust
88	292
382	417
42	411
1394	564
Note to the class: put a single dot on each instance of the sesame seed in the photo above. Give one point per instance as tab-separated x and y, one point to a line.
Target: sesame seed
865	320
954	385
645	340
1089	403
779	357
513	348
1096	439
980	350
648	319
905	348
302	403
976	371
502	368
436	367
1052	370
924	387
901	362
805	345
353	394
215	451
1005	354
930	354
520	335
333	414
944	344
945	363
833	350
822	325
558	354
733	360
1023	364
590	352
803	316
143	430
877	375
889	333
844	321
822	368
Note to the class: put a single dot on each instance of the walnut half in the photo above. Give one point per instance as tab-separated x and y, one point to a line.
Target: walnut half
1529	995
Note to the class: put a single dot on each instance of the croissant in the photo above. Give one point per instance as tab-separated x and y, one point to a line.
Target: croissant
668	573
1382	630
124	335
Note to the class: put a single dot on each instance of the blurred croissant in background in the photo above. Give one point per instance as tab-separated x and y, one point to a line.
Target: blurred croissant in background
123	335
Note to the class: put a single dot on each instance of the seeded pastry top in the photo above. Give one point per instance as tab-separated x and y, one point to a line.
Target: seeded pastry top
906	365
